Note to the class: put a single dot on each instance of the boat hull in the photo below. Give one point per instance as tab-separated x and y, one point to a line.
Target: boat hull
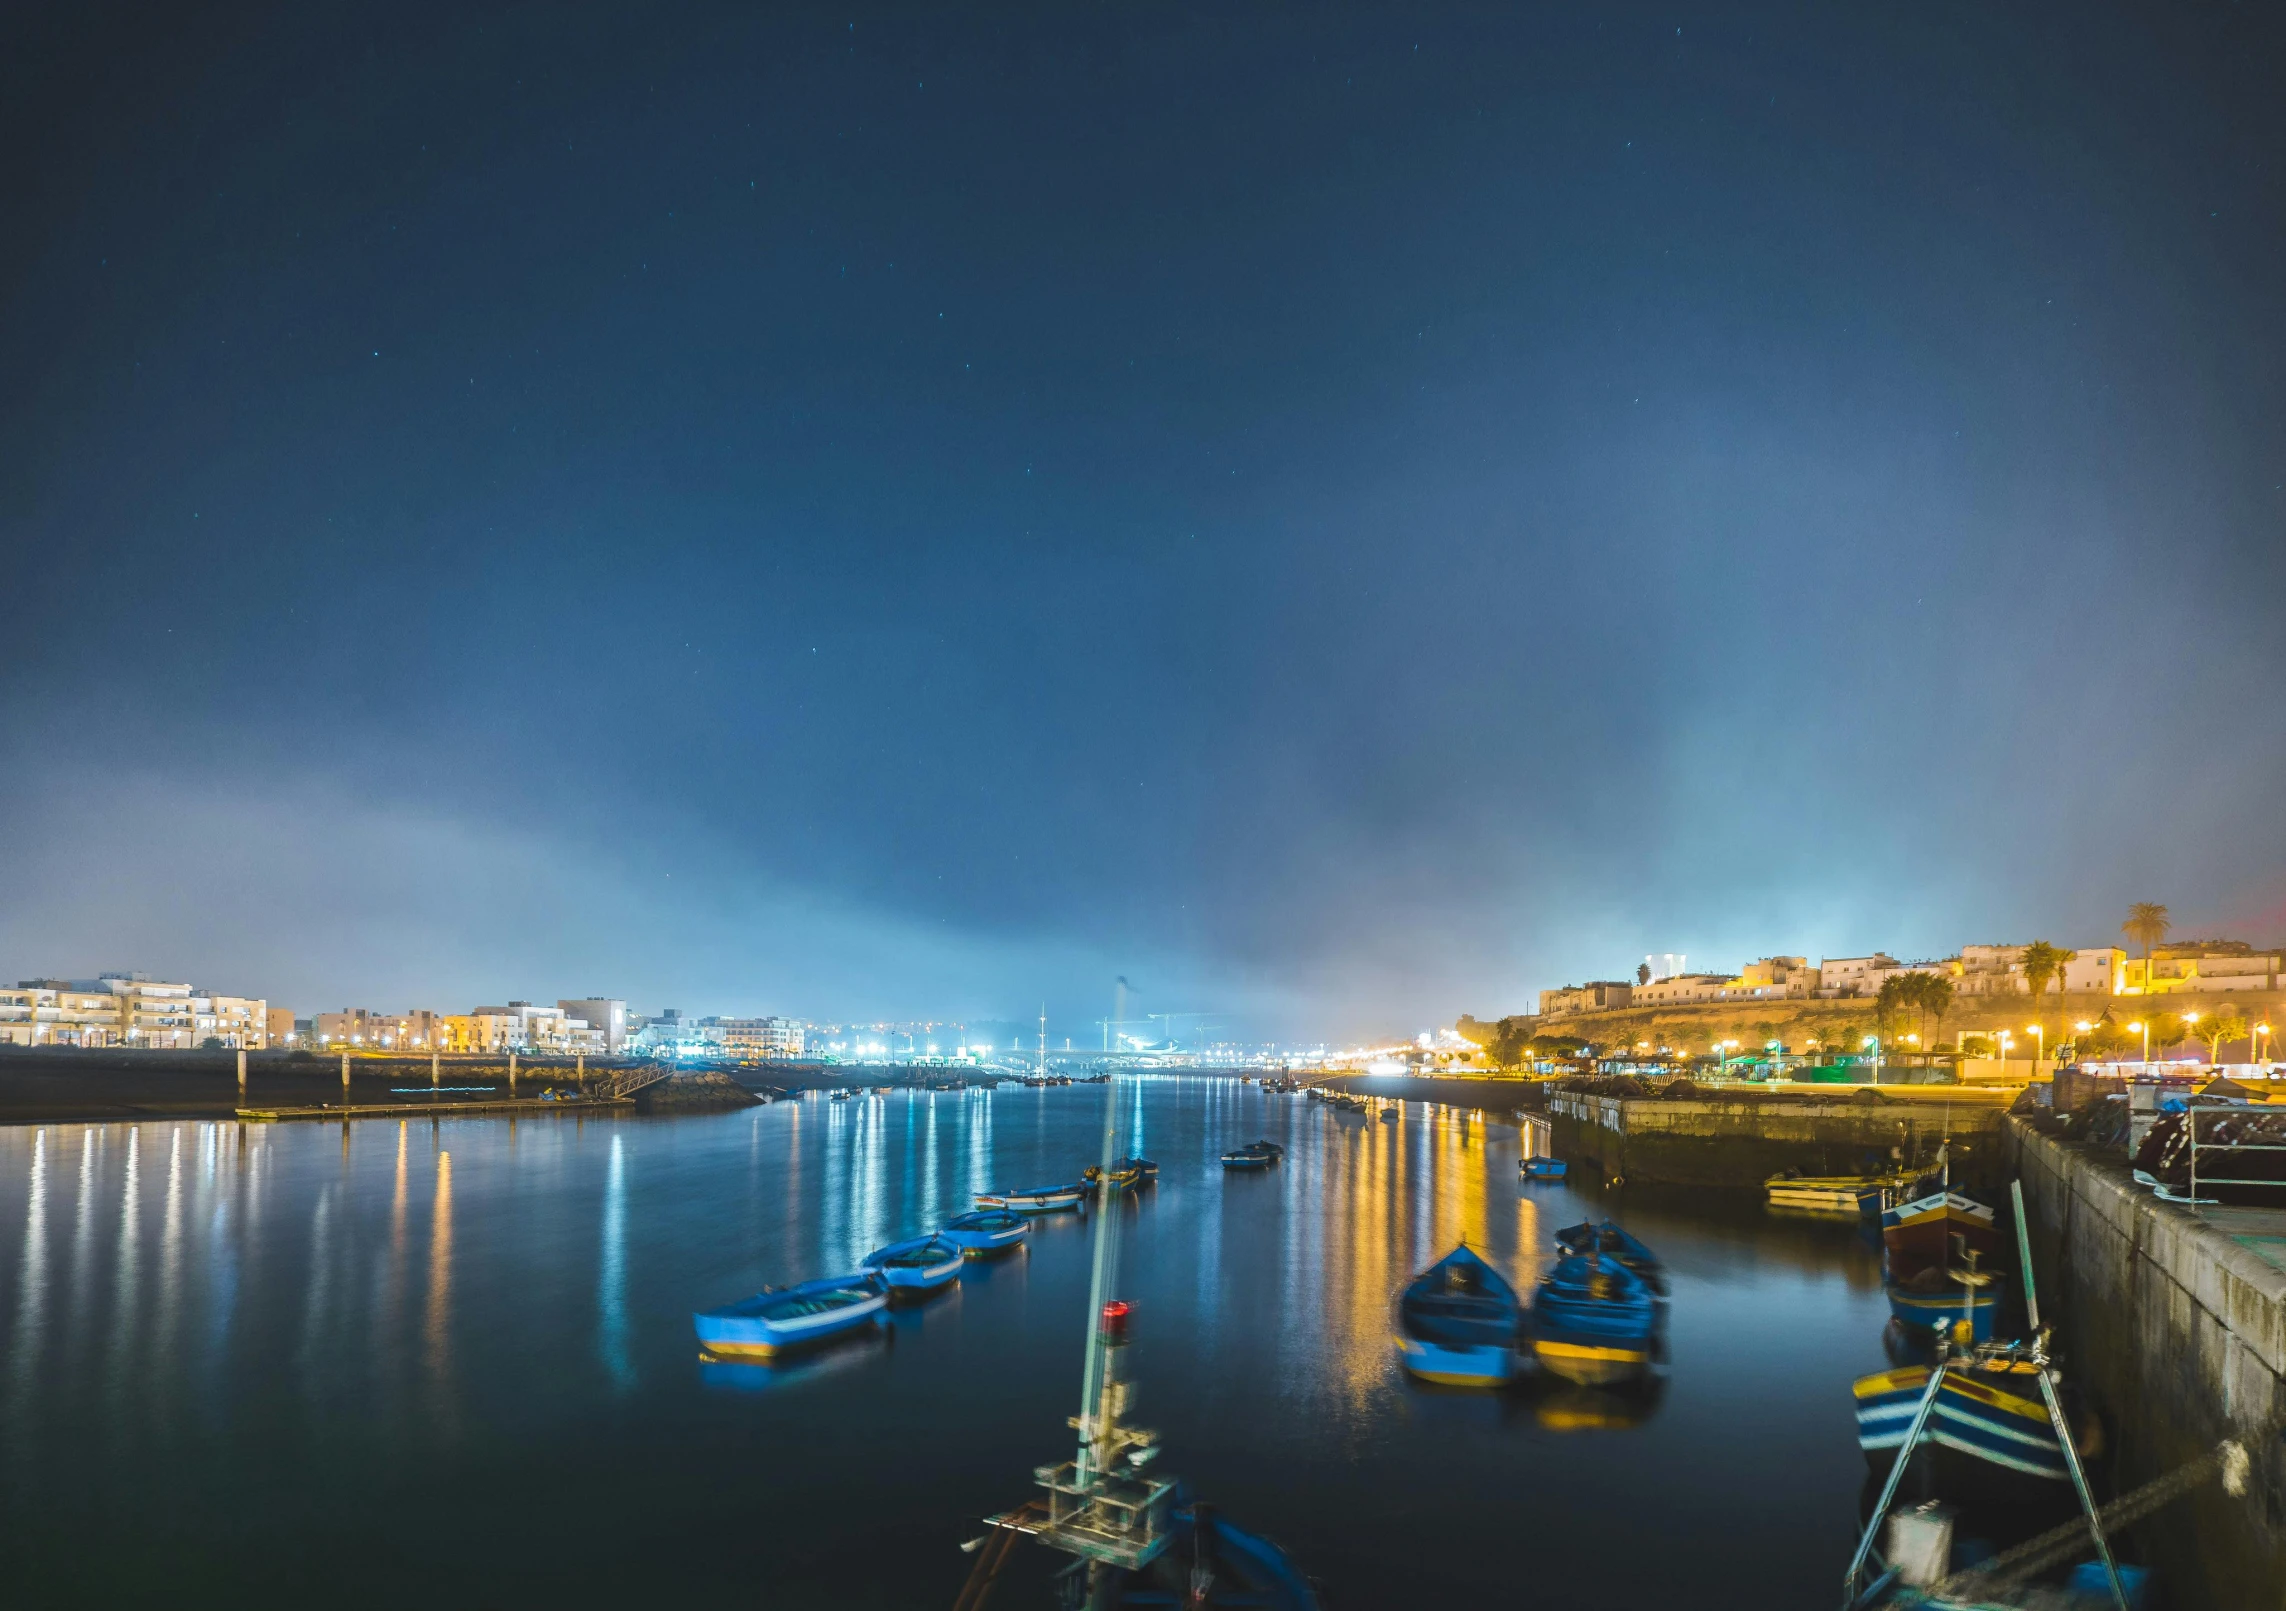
1593	1361
1544	1168
1839	1195
1448	1366
1925	1313
1920	1235
1234	1161
922	1278
986	1241
1988	1440
732	1334
1055	1201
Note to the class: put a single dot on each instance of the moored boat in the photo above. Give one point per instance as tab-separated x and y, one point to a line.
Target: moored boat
1457	1323
1542	1168
1613	1242
1931	1230
1594	1321
1034	1199
1990	1435
1126	1173
1254	1155
921	1264
1838	1195
987	1231
777	1319
1936	1302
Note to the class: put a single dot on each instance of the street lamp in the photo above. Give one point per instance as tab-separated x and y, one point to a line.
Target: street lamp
2192	1019
2039	1046
2262	1030
2006	1040
2145	1030
1874	1041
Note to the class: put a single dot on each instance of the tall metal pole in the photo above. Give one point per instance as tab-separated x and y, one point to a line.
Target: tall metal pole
1889	1489
1099	1290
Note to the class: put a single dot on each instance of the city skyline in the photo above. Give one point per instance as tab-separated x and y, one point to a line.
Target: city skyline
1328	516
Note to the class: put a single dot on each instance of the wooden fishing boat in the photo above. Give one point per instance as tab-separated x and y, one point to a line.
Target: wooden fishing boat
1931	1231
778	1319
1541	1168
1254	1155
1126	1173
1457	1323
1612	1242
1840	1195
1594	1321
987	1231
919	1265
1936	1302
1035	1199
1990	1435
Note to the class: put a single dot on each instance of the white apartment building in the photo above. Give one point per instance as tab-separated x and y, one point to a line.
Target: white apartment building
1768	977
2201	965
1596	993
361	1028
1680	988
1855	976
606	1015
759	1037
2097	970
127	1009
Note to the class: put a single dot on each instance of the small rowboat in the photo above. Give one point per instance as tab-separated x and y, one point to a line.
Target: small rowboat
1938	1301
922	1264
1254	1155
1614	1243
1034	1199
1923	1234
1594	1321
1457	1322
986	1232
780	1318
1541	1168
1125	1173
1839	1195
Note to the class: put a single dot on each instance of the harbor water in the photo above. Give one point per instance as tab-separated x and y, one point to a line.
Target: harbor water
452	1361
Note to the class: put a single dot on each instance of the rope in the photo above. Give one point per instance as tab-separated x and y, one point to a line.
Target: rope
2228	1459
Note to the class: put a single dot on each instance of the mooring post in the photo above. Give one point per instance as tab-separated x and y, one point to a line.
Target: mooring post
580	1078
345	1077
241	1076
511	1074
432	1068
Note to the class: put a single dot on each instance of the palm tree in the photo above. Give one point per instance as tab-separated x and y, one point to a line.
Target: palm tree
1937	997
2146	925
2043	965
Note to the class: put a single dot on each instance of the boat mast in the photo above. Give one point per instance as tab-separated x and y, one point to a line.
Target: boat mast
1096	1416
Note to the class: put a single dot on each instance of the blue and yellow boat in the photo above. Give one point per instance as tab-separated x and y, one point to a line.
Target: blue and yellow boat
1940	1301
1613	1242
1457	1323
778	1319
1541	1168
1254	1155
1989	1437
1594	1321
919	1265
987	1231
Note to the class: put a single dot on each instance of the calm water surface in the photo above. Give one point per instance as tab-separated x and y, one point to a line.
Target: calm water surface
454	1360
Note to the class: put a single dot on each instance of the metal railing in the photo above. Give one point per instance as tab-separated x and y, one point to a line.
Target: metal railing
2192	1114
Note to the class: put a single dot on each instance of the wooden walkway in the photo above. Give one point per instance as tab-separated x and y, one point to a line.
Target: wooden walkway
406	1110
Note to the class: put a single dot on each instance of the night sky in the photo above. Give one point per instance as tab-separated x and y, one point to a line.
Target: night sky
1343	516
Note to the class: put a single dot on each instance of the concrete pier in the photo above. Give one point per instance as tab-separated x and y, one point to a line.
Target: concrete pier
2176	1321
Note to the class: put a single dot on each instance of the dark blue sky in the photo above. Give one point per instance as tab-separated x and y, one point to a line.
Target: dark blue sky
1344	516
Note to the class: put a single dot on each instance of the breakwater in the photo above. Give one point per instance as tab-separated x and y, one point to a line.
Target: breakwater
2177	1321
1742	1139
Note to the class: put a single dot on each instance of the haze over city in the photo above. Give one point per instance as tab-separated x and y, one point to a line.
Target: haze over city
1341	517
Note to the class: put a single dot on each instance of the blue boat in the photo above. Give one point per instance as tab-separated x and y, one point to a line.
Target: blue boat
1457	1323
1034	1199
1940	1300
1991	1433
1254	1155
1594	1321
922	1264
1614	1243
987	1231
1542	1168
780	1318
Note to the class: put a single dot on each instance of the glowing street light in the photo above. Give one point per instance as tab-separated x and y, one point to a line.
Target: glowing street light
2145	1030
2040	1045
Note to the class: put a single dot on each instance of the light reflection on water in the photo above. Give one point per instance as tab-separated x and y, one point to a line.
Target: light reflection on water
308	1335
